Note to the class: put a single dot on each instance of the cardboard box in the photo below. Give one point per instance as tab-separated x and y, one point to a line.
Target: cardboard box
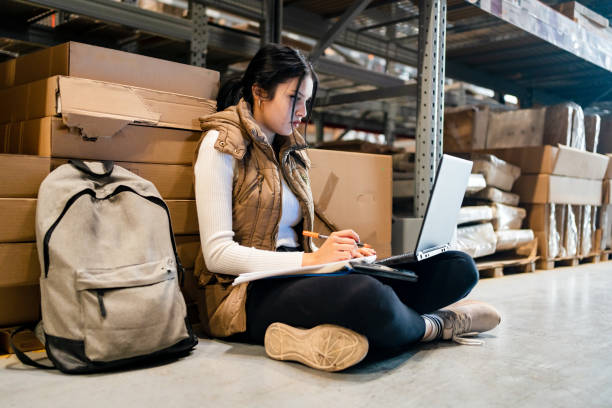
518	128
353	191
24	266
103	64
465	128
606	192
114	103
173	181
161	7
565	125
592	127
545	188
20	176
17	220
605	135
184	216
608	174
19	215
50	137
7	73
18	305
25	340
582	15
560	161
19	291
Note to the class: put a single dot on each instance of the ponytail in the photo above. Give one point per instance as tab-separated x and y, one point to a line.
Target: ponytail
230	92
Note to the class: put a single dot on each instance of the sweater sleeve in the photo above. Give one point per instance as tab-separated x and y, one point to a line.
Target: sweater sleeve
214	173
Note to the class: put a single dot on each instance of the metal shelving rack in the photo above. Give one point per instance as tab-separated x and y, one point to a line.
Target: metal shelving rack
520	47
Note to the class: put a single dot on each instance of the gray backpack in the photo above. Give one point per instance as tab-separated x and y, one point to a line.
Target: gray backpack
110	272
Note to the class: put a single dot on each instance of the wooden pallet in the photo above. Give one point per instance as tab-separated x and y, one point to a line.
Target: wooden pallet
522	260
548	264
499	270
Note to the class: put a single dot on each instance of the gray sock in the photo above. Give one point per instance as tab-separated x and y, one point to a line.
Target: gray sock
437	327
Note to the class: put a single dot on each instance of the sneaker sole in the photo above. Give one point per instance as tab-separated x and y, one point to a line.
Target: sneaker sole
325	347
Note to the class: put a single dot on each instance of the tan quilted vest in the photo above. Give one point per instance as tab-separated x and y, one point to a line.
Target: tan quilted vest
256	211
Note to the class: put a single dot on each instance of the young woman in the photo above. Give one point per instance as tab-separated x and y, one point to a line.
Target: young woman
254	199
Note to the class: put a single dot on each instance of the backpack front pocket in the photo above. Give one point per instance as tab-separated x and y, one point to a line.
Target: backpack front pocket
130	310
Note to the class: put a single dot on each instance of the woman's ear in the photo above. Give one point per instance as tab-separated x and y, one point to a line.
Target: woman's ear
259	92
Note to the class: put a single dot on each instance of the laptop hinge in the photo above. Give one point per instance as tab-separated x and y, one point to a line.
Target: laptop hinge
428	253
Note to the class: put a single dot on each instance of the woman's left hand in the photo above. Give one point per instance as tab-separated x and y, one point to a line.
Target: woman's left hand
361	252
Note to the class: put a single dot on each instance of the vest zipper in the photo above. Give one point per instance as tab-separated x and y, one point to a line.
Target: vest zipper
259	185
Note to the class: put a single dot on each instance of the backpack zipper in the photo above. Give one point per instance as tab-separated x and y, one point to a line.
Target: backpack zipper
100	295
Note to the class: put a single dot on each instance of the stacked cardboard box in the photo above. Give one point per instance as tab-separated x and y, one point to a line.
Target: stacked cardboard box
495	224
86	102
471	128
353	191
585	17
604	218
561	187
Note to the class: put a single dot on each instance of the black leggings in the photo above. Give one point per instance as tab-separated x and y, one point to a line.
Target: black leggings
386	311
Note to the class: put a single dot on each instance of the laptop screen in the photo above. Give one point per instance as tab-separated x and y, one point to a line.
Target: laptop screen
444	203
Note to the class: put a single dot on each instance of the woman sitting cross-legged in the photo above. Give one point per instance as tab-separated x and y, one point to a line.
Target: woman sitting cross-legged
254	199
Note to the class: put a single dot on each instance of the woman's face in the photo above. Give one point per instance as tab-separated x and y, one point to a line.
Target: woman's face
275	114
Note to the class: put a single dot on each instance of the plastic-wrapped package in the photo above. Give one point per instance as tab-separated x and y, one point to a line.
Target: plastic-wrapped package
507	217
596	234
586	231
560	211
476	240
592	126
496	172
497	196
603	223
510	239
476	183
578	140
474	213
570	242
554	238
564	124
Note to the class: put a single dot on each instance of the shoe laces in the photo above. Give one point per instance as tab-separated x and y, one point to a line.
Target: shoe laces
460	324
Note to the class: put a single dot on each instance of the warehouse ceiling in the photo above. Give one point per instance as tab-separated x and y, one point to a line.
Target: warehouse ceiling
378	51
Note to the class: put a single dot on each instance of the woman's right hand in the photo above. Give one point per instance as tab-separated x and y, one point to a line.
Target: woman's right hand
340	246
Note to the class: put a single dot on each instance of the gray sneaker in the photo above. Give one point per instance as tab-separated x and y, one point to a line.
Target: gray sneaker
325	347
467	318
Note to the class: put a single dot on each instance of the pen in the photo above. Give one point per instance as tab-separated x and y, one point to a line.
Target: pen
317	235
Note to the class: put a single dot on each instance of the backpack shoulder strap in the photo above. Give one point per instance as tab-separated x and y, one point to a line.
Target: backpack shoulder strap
24	357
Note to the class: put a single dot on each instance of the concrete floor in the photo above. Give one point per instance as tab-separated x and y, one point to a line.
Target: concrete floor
552	349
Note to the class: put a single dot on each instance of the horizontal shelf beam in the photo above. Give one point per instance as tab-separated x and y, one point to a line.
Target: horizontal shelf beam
545	23
376	94
124	14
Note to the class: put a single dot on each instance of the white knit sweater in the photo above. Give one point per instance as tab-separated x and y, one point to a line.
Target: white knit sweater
214	173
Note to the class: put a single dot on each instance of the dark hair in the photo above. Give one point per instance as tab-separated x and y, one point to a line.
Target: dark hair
272	65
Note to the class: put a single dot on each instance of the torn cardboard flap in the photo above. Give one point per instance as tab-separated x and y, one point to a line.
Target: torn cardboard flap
100	109
94	127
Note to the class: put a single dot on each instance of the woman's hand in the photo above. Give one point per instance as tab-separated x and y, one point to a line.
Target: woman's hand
340	246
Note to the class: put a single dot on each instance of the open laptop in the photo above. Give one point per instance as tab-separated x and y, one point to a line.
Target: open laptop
440	219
